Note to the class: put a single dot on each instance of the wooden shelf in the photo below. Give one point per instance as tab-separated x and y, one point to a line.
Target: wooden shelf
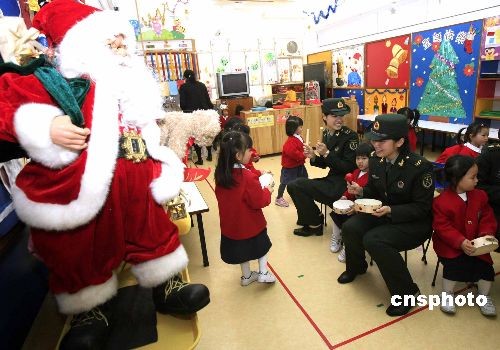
487	117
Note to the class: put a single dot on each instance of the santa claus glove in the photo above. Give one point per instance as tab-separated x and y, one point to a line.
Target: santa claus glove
32	122
168	184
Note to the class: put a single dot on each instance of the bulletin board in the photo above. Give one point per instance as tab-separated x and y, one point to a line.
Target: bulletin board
444	71
323	56
387	63
357	93
490	45
383	101
348	67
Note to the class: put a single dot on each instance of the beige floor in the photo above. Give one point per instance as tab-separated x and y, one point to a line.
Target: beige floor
307	308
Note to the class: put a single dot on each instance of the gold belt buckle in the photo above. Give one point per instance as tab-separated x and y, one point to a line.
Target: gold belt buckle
134	146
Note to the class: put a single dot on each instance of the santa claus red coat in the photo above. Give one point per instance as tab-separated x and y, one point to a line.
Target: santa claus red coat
93	209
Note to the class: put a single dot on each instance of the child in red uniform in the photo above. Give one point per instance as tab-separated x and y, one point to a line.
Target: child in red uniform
359	176
412	116
241	198
224	116
292	157
461	214
476	136
254	157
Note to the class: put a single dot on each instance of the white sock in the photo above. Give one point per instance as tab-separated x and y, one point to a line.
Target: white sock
245	269
263	264
483	287
449	285
336	231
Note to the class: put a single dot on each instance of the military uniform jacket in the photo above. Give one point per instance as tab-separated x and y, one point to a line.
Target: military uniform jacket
342	157
407	187
489	174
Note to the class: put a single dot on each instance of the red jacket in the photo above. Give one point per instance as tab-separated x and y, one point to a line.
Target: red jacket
250	166
454	150
362	181
240	207
292	155
223	120
412	139
456	220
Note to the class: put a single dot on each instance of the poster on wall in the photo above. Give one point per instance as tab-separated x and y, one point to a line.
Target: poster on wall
490	46
159	21
348	67
349	93
384	101
253	67
269	66
387	63
444	71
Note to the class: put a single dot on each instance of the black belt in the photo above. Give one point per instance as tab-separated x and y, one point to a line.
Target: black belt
132	146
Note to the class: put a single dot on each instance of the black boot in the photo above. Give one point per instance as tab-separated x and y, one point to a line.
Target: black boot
198	154
89	330
178	297
209	156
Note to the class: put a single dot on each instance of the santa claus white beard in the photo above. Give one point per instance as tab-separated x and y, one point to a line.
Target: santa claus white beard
135	90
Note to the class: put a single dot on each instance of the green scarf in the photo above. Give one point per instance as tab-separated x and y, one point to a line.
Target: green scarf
68	93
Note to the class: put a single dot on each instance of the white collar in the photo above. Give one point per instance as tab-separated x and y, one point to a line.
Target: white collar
361	173
299	137
463	196
472	147
238	165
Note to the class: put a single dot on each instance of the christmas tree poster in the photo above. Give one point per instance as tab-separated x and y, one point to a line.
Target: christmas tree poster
444	71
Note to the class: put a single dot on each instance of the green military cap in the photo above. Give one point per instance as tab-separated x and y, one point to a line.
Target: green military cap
388	126
335	106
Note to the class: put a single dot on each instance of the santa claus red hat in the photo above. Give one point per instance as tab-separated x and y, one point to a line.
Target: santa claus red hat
58	16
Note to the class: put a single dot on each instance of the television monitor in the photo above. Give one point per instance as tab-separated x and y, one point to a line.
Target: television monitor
233	84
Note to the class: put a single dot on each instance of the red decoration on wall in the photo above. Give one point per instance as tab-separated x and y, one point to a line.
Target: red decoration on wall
387	63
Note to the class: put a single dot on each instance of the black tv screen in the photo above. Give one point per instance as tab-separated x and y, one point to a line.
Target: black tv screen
233	84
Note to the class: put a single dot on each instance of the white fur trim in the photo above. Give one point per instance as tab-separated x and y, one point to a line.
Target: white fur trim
154	272
168	185
84	48
32	123
101	159
87	298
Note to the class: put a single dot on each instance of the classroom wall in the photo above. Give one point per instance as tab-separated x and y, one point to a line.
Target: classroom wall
362	24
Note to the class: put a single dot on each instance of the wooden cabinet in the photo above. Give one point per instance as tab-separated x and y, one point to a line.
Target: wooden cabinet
280	117
488	91
246	102
351	119
279	91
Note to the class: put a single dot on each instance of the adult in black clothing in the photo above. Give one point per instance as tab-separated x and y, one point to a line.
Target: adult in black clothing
194	96
404	183
337	151
489	177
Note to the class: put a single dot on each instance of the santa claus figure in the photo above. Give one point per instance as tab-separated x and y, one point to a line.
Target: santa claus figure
93	190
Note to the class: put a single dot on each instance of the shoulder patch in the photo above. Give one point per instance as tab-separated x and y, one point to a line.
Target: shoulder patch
353	145
427	180
418	162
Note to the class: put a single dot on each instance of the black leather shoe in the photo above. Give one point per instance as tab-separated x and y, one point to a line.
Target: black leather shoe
307	231
348	277
199	162
400	310
395	311
89	330
178	297
209	158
